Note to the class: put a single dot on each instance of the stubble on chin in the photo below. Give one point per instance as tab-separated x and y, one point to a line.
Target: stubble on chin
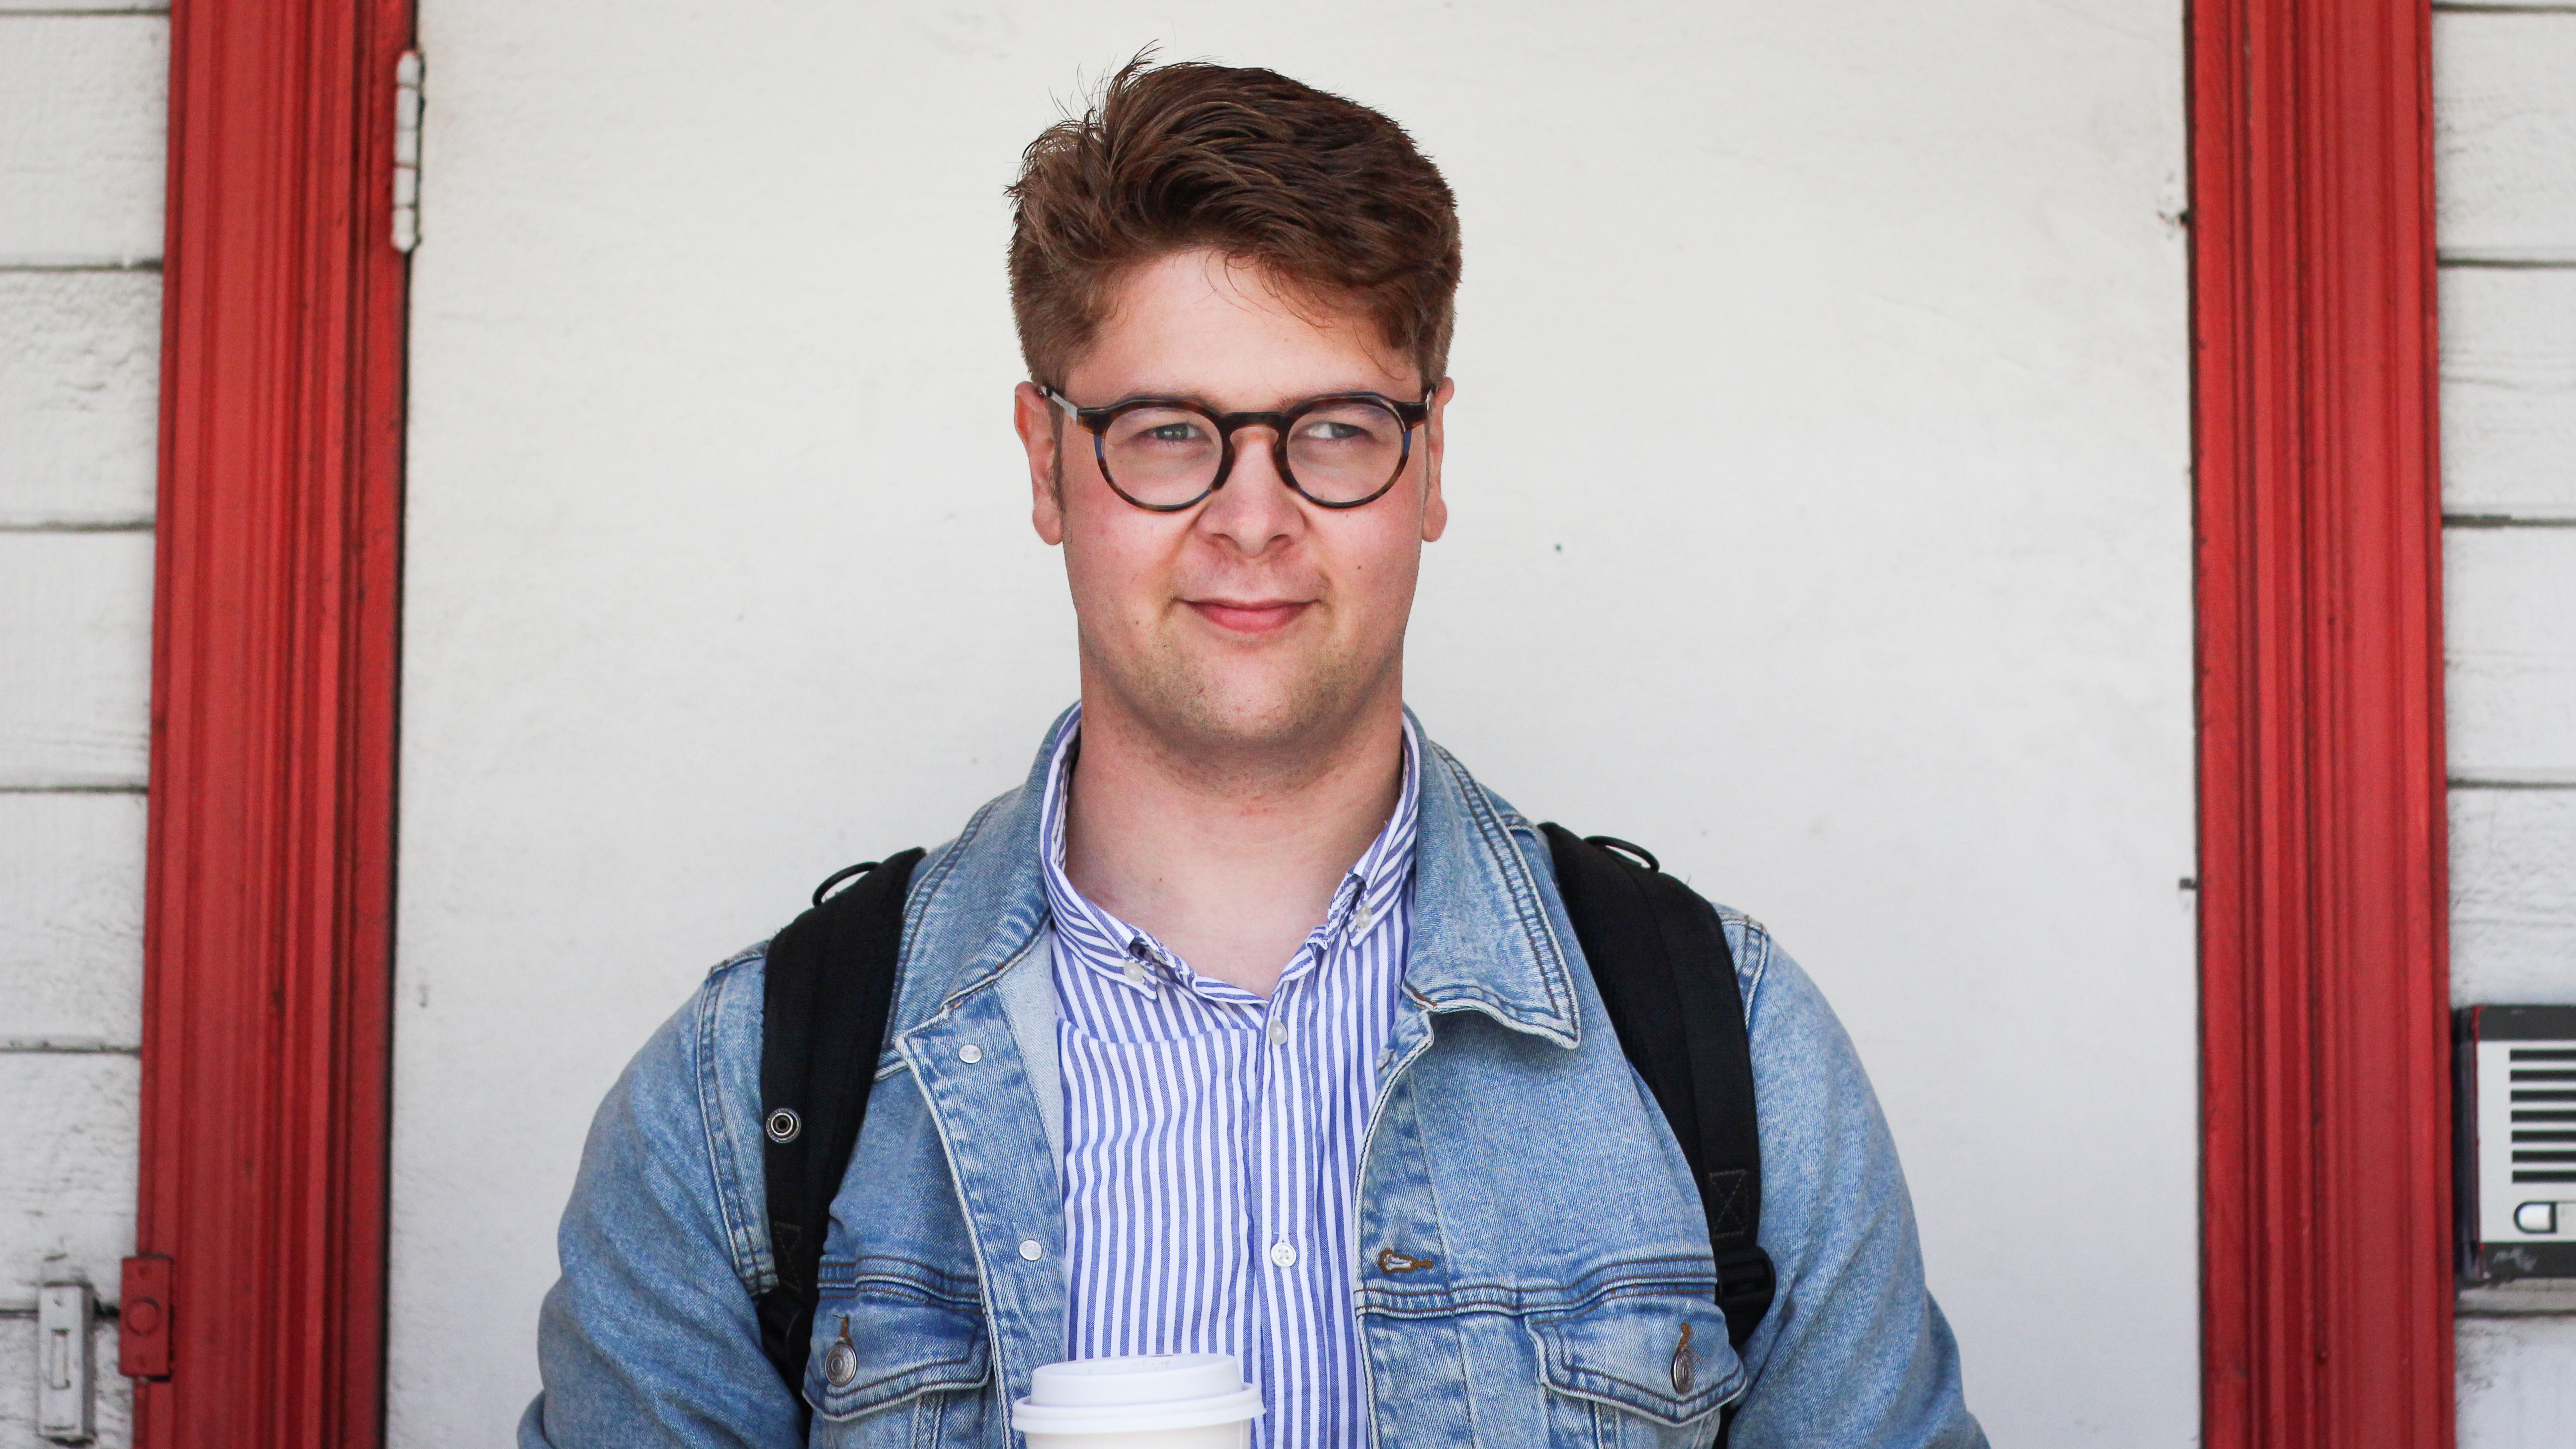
1206	711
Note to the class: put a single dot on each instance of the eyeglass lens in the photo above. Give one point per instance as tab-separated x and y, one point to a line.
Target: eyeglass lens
1338	452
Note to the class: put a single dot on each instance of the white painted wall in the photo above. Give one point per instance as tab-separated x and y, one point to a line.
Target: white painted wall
1861	591
82	124
2505	169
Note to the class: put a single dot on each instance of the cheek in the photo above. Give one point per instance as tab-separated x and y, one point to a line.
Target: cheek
1381	564
1115	568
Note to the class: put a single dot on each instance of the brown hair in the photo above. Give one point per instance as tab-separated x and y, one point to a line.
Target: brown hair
1327	196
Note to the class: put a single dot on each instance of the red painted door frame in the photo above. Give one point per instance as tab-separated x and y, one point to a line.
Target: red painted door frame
2326	1309
268	923
268	935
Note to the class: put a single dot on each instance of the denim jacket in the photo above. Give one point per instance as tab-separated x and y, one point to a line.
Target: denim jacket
1533	1265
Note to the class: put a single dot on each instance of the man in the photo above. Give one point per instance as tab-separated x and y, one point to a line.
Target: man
1250	1023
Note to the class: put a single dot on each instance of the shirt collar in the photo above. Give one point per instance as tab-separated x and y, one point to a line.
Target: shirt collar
1373	889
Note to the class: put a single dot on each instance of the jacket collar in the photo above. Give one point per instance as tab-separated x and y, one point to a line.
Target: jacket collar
1485	919
1485	929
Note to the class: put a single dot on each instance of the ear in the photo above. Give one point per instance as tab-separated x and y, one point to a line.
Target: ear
1435	506
1041	432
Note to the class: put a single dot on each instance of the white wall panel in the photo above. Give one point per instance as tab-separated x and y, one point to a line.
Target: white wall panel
2504	134
71	917
1861	592
80	359
2517	1383
82	103
2513	895
67	1140
75	658
2509	390
81	174
2509	626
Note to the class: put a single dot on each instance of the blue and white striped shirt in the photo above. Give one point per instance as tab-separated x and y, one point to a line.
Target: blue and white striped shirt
1212	1139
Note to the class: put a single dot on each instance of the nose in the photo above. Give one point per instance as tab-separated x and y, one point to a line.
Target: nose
1256	509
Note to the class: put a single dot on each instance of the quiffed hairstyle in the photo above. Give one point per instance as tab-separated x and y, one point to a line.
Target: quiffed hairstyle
1327	196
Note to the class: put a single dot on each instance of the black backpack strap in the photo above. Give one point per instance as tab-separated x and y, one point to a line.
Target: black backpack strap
1660	960
827	988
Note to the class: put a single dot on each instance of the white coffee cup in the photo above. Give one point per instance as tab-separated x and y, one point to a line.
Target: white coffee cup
1148	1401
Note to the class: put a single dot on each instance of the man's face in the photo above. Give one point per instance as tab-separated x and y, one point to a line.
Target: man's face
1256	619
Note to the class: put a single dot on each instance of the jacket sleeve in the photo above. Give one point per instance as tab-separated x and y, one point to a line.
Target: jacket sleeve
649	1338
1854	1352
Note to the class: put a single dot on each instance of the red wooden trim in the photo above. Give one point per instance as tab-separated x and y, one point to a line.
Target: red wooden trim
2327	1310
268	929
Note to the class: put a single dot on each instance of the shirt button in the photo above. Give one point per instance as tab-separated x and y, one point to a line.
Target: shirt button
1360	919
970	1054
1135	973
1284	1254
1030	1250
1278	1032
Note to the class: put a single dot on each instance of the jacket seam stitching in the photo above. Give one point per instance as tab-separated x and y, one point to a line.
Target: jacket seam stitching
746	1240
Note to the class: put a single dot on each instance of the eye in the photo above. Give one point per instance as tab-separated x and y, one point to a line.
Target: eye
1160	430
1328	430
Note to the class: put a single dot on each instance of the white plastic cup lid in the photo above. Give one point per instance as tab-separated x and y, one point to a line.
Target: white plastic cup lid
1133	1394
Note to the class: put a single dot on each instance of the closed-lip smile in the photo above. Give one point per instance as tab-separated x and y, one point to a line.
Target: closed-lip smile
1249	616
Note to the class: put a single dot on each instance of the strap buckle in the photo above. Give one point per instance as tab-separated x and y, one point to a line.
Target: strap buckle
1746	1282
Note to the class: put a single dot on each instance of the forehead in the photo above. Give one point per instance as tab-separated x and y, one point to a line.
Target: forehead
1199	323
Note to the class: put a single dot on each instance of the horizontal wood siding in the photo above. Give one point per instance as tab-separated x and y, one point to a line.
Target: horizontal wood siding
2515	1390
68	1140
83	121
2504	135
2509	391
71	919
2510	595
2513	894
80	367
75	659
83	116
2504	80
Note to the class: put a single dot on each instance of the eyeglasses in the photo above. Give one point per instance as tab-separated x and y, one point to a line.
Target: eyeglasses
1167	454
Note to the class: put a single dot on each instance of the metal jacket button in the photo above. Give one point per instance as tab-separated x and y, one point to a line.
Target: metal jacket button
970	1054
1685	1363
841	1364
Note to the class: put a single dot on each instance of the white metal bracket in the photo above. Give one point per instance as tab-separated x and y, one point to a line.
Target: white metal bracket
407	152
63	1367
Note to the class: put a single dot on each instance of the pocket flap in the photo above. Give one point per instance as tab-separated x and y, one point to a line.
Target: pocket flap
885	1351
1663	1356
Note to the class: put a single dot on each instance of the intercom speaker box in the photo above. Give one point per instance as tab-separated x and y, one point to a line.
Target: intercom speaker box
2515	1136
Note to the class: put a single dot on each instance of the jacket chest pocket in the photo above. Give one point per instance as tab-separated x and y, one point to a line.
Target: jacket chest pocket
1636	1372
885	1367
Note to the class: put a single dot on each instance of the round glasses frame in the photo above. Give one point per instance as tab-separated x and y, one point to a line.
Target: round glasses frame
1096	422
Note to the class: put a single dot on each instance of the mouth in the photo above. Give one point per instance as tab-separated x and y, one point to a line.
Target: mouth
1250	616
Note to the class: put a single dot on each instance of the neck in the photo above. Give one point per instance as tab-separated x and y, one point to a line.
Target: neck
1229	856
